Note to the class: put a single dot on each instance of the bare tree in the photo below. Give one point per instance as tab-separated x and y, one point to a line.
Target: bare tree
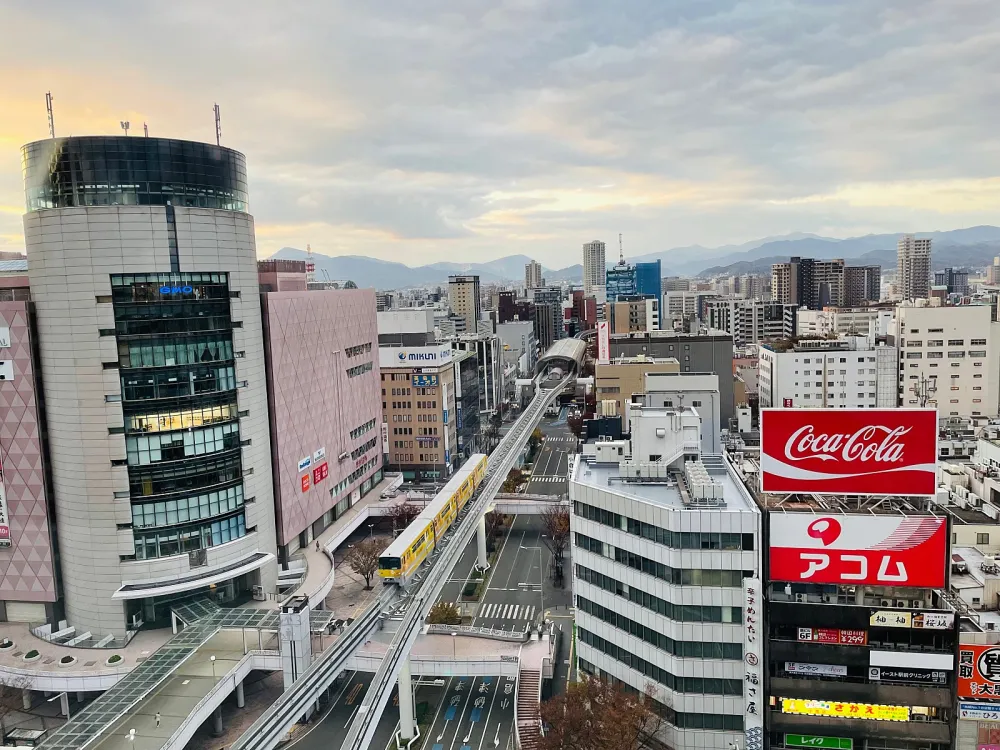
575	424
555	520
599	715
363	559
402	515
444	613
495	523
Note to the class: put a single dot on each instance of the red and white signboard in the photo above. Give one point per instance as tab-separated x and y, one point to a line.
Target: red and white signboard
603	342
849	451
859	549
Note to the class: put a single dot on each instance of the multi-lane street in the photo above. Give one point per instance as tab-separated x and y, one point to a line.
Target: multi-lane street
549	474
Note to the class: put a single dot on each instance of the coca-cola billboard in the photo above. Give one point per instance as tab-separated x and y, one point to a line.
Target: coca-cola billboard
849	451
858	549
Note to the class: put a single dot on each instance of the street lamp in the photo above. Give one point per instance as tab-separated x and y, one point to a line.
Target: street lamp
212	658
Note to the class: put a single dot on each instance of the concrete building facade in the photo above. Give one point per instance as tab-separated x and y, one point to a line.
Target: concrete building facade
913	267
594	268
623	380
149	323
464	300
533	275
751	321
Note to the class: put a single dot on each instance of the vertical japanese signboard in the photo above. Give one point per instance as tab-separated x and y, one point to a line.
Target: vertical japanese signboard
603	342
753	683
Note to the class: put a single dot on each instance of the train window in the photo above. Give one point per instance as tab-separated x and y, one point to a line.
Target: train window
389	563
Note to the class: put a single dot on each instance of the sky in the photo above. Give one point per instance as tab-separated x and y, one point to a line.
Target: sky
468	130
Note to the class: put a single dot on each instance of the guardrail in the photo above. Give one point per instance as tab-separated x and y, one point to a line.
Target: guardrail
515	636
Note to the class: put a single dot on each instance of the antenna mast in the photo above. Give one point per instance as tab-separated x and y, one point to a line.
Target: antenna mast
218	125
621	252
48	108
145	130
125	126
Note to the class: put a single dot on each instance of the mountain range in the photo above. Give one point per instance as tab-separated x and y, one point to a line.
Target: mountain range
972	247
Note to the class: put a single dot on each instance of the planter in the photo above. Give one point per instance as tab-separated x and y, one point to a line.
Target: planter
67	661
6	644
113	659
32	655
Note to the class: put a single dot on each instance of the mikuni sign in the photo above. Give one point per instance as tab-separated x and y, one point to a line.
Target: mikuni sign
425	355
858	549
849	451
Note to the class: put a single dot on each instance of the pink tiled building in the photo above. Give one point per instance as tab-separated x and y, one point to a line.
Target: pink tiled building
324	399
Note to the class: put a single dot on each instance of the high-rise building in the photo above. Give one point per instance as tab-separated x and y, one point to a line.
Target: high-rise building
647	279
463	298
144	281
594	267
548	315
862	284
533	275
956	281
806	282
674	284
646	519
913	267
506	307
633	313
620	281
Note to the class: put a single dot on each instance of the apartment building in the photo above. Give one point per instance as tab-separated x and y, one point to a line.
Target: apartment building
464	300
594	268
946	352
750	321
810	283
631	314
913	267
843	321
862	284
533	275
853	372
664	540
674	284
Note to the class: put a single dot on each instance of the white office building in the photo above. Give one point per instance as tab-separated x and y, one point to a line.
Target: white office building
843	321
953	350
852	372
519	345
663	538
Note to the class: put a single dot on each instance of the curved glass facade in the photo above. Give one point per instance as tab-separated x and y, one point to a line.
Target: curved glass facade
118	170
178	388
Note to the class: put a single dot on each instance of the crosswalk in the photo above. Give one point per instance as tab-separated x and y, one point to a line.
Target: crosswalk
494	611
553	478
559	439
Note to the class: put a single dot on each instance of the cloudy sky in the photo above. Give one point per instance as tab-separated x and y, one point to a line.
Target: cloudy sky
470	130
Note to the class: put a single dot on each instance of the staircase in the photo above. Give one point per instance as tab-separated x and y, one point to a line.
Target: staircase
529	694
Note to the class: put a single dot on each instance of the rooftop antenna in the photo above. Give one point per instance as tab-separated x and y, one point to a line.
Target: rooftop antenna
48	108
218	125
621	252
145	130
125	126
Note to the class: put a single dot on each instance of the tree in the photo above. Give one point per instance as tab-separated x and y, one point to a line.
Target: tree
402	515
514	479
350	285
495	523
491	436
444	613
555	519
535	440
599	715
575	424
363	559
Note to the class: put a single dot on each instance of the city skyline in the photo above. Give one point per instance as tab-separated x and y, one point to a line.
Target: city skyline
449	131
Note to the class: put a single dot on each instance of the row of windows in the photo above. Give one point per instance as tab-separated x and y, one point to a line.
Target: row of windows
148	449
680	649
354	351
726	722
396	376
427	430
398	391
178	382
843	360
427	417
677	612
675	539
958	354
677	576
402	430
427	404
184	476
400	404
183	510
120	281
353	372
163	543
362	470
402	443
361	430
186	419
363	448
144	353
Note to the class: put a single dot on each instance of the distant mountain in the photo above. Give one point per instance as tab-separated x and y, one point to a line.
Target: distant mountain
972	247
381	274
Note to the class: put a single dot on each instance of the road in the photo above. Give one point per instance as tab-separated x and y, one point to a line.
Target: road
478	713
549	475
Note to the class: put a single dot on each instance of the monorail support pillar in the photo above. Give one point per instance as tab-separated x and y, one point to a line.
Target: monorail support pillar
405	687
484	562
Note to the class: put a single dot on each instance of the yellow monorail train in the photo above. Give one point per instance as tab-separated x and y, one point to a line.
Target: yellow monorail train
400	560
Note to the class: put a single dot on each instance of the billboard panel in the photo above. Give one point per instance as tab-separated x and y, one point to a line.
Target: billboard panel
978	671
603	342
859	549
849	451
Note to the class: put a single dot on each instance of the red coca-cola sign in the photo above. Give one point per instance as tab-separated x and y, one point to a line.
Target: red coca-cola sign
849	451
858	549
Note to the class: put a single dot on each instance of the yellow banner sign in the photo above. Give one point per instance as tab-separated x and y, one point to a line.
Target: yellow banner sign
844	710
886	619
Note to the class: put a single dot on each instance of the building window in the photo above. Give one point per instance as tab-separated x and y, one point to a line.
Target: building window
956	342
982	538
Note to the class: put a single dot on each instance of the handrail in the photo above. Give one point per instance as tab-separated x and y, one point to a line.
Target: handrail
508	635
